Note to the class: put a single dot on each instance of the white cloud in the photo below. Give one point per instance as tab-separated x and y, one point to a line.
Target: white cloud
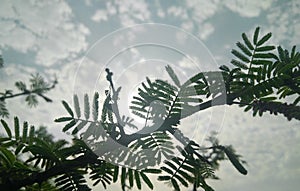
43	27
130	12
248	8
206	30
100	15
283	23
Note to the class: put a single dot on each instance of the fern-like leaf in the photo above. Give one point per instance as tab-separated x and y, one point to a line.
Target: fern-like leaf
76	106
86	107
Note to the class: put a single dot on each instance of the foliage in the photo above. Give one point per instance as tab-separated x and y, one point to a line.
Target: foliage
261	79
38	87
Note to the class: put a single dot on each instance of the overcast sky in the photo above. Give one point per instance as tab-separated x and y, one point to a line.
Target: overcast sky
76	40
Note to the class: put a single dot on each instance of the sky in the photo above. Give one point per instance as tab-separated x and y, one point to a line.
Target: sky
77	40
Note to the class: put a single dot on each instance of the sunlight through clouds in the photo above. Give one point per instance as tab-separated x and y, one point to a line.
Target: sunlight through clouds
60	35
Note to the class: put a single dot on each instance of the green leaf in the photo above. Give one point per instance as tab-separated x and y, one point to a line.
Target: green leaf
239	64
297	100
240	56
31	134
268	98
255	36
69	125
20	85
67	107
79	127
181	180
137	179
19	148
63	119
17	128
264	39
233	159
76	106
7	129
247	41
130	175
224	68
3	110
25	130
31	100
293	52
86	106
116	173
262	55
153	171
95	106
173	75
123	176
146	180
264	48
175	185
244	48
7	156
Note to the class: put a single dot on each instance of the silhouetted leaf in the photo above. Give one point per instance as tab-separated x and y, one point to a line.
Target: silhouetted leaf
67	107
264	39
173	75
255	36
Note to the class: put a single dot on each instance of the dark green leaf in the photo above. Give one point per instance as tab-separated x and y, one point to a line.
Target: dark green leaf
255	36
69	125
181	180
224	68
153	171
265	48
233	159
17	128
264	39
244	48
67	107
240	56
19	148
123	176
31	134
130	177
20	85
239	64
7	157
137	179
262	55
7	129
63	119
175	185
79	127
247	41
95	106
146	180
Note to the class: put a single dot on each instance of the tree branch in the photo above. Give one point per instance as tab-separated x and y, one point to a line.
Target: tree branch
39	177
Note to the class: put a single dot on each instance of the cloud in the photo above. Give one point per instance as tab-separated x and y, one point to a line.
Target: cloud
248	8
283	21
129	12
43	27
100	15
